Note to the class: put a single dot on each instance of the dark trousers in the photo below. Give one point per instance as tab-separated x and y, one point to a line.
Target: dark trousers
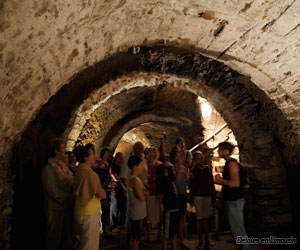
59	229
117	210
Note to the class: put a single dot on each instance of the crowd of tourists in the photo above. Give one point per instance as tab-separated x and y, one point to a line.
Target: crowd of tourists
88	196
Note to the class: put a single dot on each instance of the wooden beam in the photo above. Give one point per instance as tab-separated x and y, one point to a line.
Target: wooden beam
210	137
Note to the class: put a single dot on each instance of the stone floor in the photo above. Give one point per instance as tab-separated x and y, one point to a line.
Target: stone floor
220	240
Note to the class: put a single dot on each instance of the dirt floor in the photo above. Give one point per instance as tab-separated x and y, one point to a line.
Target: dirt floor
220	240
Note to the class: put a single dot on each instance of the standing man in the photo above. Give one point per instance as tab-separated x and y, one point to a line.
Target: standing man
186	156
232	192
138	150
57	181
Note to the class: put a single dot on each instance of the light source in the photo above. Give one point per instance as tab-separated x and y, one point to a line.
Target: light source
206	110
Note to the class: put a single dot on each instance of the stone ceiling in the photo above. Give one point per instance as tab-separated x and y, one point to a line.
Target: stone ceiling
44	44
55	54
131	108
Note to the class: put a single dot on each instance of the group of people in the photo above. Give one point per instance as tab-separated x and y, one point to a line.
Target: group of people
139	193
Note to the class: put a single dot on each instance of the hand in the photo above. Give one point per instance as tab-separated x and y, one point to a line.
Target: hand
146	186
192	205
145	192
218	179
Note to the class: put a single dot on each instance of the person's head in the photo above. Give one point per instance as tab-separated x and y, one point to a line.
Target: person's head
71	158
180	144
175	156
138	149
146	151
135	164
119	157
165	169
57	148
151	155
90	146
198	158
81	153
105	154
85	155
225	149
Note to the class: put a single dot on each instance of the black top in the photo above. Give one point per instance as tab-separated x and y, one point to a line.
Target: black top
231	193
168	188
103	175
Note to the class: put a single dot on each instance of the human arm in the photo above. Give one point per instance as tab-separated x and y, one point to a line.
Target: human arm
146	191
191	193
65	174
100	191
138	190
115	178
234	179
188	163
249	165
188	159
113	174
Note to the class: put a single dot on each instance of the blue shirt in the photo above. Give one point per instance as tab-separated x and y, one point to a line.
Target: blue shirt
181	186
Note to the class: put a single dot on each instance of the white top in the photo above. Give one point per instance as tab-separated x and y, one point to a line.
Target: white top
136	209
126	172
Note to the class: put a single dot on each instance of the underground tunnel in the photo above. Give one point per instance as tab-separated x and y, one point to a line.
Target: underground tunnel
103	72
133	91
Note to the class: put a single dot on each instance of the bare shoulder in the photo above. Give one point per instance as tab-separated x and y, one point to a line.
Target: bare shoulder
135	181
233	165
132	182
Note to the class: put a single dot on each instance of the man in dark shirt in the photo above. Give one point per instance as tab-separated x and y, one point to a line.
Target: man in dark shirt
232	193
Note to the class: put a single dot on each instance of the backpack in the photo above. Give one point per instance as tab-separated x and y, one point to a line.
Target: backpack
243	174
244	179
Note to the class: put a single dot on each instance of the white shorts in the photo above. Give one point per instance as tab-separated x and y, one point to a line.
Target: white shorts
203	207
154	209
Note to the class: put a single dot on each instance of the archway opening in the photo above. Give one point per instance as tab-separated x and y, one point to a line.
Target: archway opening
224	88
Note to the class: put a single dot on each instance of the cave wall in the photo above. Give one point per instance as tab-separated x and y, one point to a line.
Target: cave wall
224	88
124	111
45	48
45	44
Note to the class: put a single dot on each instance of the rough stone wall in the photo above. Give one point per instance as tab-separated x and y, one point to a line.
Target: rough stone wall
44	48
214	81
6	201
131	108
235	104
44	44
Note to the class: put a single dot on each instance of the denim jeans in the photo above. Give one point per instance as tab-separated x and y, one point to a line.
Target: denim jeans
236	221
117	210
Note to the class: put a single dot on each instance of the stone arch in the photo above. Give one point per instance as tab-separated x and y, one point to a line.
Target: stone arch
112	138
153	102
225	89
